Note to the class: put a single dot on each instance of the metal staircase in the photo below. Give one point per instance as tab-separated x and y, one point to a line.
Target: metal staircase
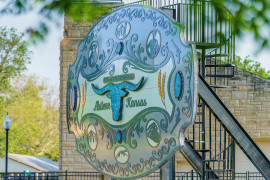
210	142
210	139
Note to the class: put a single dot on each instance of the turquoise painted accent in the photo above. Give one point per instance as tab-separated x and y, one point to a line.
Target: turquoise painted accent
178	85
120	48
116	94
74	98
119	136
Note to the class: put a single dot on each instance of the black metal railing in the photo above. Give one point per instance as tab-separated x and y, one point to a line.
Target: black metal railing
192	175
212	34
211	140
66	175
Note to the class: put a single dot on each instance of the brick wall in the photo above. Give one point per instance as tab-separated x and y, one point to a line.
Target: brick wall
248	98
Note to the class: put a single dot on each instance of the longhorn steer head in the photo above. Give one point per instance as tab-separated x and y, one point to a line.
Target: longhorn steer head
116	94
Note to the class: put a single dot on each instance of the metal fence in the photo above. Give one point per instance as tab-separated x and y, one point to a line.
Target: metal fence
192	175
66	175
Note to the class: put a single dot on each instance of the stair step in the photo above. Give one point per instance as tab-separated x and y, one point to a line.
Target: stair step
219	75
217	170
218	86
217	55
198	122
201	45
199	105
214	160
199	113
196	141
219	65
203	150
196	132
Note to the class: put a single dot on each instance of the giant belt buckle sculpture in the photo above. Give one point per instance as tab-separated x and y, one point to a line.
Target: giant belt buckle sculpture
132	92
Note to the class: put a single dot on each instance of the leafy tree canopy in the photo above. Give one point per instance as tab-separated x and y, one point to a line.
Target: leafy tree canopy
50	11
251	66
249	15
14	56
34	118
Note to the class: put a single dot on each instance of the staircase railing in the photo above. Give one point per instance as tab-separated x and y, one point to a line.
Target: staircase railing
214	144
213	35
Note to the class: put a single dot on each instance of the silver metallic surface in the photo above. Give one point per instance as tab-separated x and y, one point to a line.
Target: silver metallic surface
128	120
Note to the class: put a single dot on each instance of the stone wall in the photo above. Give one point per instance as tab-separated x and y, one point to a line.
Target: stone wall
69	159
248	98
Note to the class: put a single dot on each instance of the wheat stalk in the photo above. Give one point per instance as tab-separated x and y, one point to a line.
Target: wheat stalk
82	99
159	88
163	86
82	93
83	96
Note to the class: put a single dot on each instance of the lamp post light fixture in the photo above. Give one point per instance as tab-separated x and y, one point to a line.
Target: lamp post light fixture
7	125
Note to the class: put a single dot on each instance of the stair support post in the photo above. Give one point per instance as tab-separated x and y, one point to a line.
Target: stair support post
168	170
203	104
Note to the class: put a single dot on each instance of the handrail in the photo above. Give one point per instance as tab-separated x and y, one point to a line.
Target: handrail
237	132
189	13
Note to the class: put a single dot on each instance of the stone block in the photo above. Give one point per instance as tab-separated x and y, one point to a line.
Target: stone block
257	93
259	99
224	94
244	102
232	103
243	88
241	119
249	127
70	44
266	103
237	83
265	134
265	123
261	85
239	95
249	107
263	116
74	34
251	113
252	122
254	133
256	103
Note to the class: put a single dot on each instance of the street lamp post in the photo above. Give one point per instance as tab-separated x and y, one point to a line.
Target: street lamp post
7	125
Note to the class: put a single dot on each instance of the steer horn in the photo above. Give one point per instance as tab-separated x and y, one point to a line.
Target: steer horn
116	94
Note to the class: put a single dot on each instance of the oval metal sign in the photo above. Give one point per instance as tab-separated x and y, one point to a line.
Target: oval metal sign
132	92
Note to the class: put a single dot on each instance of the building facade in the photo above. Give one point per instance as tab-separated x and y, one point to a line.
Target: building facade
247	97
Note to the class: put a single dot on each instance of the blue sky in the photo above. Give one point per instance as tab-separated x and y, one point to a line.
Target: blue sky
45	57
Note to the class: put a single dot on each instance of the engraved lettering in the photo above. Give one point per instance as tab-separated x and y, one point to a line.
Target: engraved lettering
130	103
101	106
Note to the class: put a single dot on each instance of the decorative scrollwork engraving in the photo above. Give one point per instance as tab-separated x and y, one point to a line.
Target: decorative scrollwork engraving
134	67
164	150
188	99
